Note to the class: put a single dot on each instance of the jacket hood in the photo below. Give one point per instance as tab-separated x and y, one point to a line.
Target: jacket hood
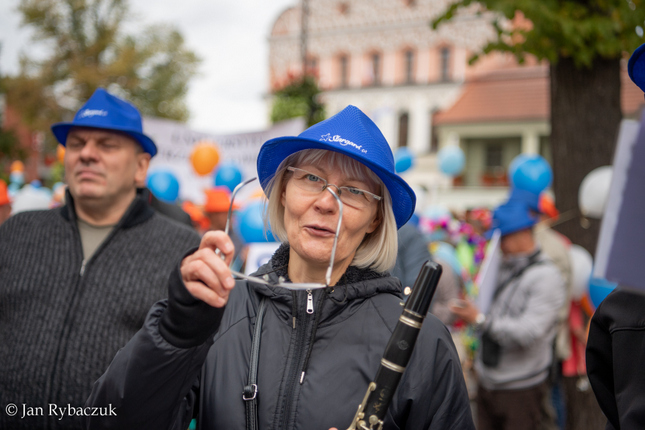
355	284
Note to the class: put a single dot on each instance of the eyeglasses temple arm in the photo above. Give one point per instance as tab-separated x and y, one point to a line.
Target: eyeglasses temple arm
230	207
333	249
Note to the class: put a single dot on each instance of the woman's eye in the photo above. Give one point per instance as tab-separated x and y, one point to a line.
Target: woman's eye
312	178
355	191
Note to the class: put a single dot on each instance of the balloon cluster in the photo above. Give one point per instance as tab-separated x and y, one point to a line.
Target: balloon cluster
16	177
205	160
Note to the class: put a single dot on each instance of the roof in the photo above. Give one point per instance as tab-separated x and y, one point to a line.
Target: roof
518	94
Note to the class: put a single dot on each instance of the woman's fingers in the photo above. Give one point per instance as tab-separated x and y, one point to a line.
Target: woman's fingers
206	276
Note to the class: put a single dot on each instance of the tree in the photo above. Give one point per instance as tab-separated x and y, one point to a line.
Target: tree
584	42
86	49
9	146
298	98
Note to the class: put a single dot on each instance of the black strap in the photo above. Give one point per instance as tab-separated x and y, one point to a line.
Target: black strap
250	394
533	259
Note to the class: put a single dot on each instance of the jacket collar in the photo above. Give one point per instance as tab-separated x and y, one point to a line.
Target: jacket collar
356	283
138	212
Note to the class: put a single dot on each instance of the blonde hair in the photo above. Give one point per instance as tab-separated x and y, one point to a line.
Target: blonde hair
378	249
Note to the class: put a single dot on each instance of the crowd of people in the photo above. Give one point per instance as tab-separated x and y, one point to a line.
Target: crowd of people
116	313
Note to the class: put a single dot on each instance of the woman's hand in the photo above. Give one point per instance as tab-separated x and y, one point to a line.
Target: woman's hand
464	309
205	274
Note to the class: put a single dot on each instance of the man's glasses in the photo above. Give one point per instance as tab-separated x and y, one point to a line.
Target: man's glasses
314	184
281	280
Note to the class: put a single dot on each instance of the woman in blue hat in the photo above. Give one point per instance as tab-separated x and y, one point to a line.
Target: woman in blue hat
326	303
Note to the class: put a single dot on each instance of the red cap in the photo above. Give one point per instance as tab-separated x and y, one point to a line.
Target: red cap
4	195
218	199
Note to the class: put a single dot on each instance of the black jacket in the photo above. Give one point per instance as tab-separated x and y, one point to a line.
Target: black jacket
171	367
62	319
616	358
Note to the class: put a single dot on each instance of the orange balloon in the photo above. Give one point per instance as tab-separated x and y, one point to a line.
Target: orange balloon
204	158
17	166
60	153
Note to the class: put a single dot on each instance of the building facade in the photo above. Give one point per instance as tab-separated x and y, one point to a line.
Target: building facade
417	85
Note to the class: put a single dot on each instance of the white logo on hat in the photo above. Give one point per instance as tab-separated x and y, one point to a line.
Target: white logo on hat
343	142
92	112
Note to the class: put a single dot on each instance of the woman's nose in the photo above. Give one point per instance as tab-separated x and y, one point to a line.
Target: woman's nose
326	200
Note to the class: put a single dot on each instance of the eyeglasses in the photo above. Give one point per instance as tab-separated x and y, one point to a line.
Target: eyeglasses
314	184
281	280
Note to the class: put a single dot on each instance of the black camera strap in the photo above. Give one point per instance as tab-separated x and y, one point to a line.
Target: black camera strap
250	394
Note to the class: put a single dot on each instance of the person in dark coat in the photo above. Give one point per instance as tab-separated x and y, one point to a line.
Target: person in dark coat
77	281
324	331
616	343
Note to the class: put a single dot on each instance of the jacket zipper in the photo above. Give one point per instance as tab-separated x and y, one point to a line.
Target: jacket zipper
295	370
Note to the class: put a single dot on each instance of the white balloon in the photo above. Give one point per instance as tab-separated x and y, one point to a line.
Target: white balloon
581	267
594	192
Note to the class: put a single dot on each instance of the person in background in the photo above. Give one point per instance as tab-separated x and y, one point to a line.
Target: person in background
518	330
77	281
556	247
616	343
5	202
411	255
197	217
218	201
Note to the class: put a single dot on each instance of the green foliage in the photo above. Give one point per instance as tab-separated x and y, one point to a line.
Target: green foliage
299	98
86	49
579	29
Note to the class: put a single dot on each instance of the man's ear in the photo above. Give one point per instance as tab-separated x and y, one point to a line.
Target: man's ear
143	162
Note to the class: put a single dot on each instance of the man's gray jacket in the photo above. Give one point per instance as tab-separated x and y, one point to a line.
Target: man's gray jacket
523	320
63	319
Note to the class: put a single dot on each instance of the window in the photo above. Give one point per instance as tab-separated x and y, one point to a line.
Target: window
403	129
409	66
343	63
312	66
494	152
376	68
445	64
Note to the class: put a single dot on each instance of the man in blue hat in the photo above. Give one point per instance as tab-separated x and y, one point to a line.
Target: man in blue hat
518	330
76	282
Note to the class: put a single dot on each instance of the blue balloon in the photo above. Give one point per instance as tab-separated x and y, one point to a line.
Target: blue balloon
228	175
403	160
531	173
599	289
164	185
17	178
251	224
451	160
13	188
36	183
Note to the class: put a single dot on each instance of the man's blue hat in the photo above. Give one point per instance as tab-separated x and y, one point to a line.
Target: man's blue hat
352	133
531	199
636	67
105	111
510	217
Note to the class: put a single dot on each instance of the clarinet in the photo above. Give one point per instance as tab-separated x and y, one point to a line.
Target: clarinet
372	410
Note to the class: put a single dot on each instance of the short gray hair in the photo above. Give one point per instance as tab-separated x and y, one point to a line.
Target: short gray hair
378	249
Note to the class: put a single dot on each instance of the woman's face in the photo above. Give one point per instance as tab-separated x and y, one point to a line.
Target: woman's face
311	220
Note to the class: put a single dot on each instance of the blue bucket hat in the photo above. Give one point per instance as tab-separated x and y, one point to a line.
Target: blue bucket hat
636	67
352	133
531	199
105	111
510	217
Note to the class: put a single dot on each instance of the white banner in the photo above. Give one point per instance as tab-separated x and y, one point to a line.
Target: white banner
175	142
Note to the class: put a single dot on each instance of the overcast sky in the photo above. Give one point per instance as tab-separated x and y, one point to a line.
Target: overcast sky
229	36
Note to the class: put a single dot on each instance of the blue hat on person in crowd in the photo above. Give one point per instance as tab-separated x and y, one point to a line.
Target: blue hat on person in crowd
511	217
636	67
105	111
531	199
352	133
